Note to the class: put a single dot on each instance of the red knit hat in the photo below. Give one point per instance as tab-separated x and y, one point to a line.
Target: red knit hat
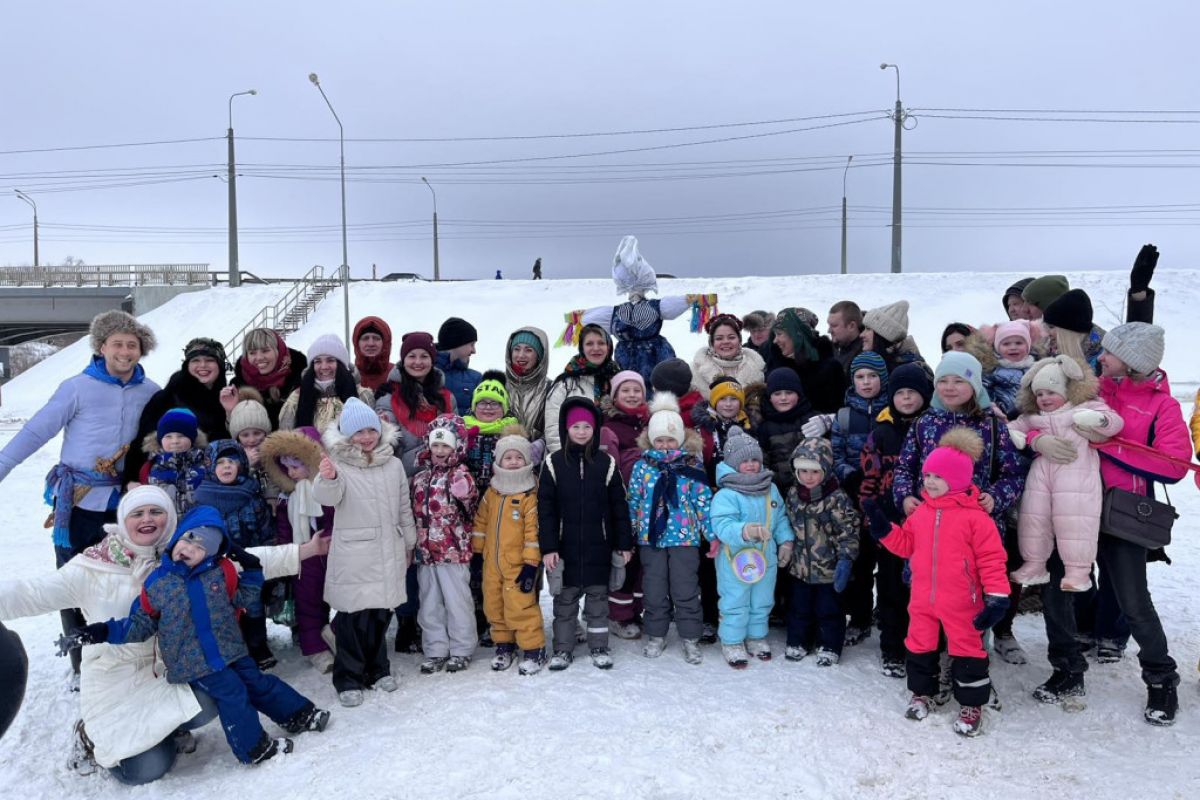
417	340
954	459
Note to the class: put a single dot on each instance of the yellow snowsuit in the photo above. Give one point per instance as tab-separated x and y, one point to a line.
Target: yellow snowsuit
506	533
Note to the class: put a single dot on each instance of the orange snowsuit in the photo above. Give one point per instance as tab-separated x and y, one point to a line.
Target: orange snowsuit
506	533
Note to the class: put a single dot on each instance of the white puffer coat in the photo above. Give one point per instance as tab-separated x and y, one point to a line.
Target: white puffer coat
373	527
748	368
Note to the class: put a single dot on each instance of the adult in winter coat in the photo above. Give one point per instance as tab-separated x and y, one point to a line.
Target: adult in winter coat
1136	388
455	346
15	665
811	357
1060	507
372	341
588	374
197	387
415	395
324	388
845	322
130	712
525	370
759	326
1070	329
98	413
270	366
1014	304
725	357
885	331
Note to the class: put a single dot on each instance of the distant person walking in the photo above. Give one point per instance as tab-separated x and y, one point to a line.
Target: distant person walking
499	277
537	269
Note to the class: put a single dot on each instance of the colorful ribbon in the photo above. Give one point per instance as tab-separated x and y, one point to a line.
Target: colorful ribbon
704	308
570	336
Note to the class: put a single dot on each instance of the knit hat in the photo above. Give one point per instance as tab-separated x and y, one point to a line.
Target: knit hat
967	367
910	376
625	376
1071	312
664	419
954	458
329	345
528	338
890	321
203	347
1017	327
813	453
456	332
107	323
417	340
442	435
513	441
1015	290
673	375
248	415
741	447
1043	291
206	537
580	414
1054	374
357	416
783	378
178	420
1139	344
491	388
146	495
726	387
872	361
757	321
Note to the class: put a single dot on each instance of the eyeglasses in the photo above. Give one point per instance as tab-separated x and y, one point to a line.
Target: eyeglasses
489	404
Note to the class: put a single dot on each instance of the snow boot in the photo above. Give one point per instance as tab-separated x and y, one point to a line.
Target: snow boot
691	651
708	634
506	654
268	747
601	658
533	662
457	663
1030	574
1061	684
349	698
856	635
1010	650
433	664
1109	651
1162	704
322	662
82	760
893	667
735	655
827	658
310	719
386	684
759	648
408	636
185	742
795	652
918	707
625	630
969	721
560	661
654	646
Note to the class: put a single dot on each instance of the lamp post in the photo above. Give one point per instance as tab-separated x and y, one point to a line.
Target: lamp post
235	274
312	76
844	173
29	200
436	272
898	116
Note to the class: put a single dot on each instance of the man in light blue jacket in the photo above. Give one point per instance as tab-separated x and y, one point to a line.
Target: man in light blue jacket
98	412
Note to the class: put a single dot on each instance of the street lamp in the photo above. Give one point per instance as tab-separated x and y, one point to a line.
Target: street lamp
436	272
235	274
312	76
29	200
898	116
844	172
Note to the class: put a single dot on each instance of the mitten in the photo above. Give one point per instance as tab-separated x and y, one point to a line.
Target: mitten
841	575
243	558
460	485
1056	448
1089	419
817	426
785	554
537	451
1143	268
994	608
1018	437
527	578
96	633
879	524
755	532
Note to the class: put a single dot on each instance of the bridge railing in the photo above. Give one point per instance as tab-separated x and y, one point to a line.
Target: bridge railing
111	275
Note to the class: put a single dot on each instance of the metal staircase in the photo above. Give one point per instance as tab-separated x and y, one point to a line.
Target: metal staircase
290	312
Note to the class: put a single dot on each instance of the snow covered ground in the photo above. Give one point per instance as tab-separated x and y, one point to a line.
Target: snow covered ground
659	728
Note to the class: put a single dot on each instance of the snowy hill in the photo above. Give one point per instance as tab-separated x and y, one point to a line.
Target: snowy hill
655	729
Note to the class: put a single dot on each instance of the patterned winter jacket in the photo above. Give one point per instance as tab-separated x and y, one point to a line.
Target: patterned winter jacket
243	508
1003	383
444	498
999	472
878	461
688	520
190	609
851	427
823	520
481	447
179	474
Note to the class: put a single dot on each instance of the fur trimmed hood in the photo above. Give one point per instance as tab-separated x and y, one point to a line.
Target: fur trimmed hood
693	443
344	451
151	447
1081	387
289	443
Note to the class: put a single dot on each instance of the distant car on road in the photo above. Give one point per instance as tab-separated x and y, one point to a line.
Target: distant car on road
402	276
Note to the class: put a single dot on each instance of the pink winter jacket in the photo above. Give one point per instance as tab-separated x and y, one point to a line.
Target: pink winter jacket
1062	502
1152	417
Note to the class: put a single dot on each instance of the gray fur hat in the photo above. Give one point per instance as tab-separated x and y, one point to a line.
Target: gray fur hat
106	323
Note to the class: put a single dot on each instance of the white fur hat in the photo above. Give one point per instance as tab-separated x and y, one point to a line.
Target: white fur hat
665	419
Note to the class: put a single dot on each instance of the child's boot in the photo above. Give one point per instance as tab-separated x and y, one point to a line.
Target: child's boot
506	654
1076	579
969	721
533	662
268	747
1031	573
691	651
735	655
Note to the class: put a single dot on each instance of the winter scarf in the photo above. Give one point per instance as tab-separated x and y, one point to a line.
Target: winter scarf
302	511
489	428
276	378
344	387
804	338
602	374
826	488
234	500
671	465
512	481
752	483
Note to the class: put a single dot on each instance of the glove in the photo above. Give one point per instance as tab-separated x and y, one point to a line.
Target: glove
460	485
1019	439
1143	268
785	554
1089	419
817	426
994	607
878	522
1056	448
841	575
527	578
243	558
96	633
755	532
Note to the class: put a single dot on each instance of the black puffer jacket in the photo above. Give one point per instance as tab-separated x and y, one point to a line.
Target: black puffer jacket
582	511
778	435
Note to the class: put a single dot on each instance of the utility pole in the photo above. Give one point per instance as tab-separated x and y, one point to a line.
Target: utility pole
898	116
235	273
436	268
29	200
844	172
345	270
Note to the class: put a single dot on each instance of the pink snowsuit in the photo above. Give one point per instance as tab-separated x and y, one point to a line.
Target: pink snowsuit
957	556
1061	504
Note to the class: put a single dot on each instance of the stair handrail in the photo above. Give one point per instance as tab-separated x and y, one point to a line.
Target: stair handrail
270	316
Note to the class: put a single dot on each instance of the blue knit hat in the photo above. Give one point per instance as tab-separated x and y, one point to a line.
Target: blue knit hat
872	361
967	367
356	416
178	420
783	378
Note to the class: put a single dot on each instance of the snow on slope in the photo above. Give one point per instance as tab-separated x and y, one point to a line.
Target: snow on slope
660	728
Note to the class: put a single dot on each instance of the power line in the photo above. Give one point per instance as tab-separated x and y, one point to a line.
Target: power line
108	146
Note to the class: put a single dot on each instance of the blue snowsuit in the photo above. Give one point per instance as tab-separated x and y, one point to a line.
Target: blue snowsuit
745	606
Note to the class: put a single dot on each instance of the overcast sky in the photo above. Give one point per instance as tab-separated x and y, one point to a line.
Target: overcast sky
83	74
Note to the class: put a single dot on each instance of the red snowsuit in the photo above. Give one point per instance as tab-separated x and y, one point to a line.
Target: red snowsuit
957	557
